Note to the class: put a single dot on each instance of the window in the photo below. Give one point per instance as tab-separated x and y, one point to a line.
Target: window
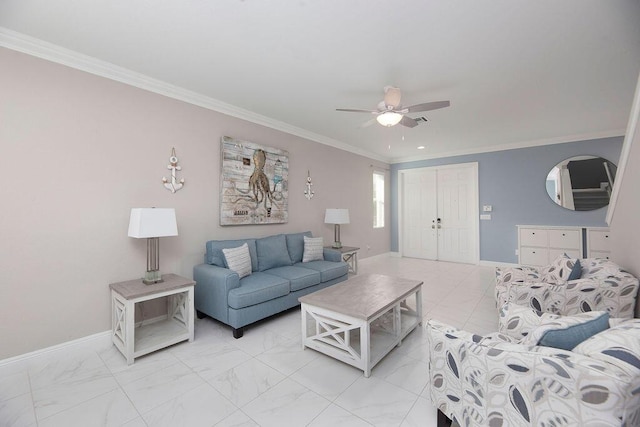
378	199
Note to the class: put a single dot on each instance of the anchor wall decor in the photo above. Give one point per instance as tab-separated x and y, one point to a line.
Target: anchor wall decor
308	192
173	185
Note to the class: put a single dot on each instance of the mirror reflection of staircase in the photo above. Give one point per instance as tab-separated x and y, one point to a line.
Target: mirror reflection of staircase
591	183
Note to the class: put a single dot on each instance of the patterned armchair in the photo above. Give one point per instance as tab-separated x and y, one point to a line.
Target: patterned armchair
498	381
603	285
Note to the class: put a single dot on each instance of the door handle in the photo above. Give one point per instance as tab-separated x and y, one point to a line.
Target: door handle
439	222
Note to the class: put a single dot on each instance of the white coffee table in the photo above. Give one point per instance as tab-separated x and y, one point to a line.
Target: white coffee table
361	320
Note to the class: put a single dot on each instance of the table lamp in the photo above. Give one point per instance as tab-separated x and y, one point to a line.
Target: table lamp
152	223
336	217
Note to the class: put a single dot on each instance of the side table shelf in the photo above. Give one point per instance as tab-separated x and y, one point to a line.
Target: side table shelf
135	341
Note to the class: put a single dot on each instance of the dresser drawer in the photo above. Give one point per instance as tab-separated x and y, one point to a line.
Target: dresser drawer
599	241
600	254
534	256
565	239
533	237
571	253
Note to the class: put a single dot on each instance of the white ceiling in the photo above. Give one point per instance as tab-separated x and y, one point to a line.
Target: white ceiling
517	72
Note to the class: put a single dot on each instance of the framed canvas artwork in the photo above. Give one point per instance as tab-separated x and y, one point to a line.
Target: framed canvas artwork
254	183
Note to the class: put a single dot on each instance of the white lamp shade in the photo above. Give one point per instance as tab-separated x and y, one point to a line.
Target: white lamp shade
389	118
336	216
152	222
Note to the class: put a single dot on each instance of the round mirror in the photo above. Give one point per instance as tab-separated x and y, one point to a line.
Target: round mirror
581	183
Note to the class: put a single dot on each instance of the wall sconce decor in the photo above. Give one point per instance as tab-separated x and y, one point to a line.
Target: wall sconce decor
308	193
173	185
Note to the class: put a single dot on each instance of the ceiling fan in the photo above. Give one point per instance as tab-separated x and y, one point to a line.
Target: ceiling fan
390	112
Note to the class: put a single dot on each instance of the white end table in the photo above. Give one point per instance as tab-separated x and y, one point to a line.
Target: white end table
135	341
349	255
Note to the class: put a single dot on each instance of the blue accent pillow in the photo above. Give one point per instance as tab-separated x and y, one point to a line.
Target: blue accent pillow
571	336
272	252
576	271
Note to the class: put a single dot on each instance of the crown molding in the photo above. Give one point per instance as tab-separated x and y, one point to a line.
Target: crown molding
35	47
515	145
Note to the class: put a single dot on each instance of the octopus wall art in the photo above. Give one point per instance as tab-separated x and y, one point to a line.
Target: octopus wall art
254	183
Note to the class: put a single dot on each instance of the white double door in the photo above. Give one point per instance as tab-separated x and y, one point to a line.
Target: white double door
439	213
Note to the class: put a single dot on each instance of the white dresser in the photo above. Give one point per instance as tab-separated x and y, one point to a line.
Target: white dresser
598	242
539	245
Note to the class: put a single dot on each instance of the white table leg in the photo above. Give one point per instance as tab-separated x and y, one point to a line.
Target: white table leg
130	326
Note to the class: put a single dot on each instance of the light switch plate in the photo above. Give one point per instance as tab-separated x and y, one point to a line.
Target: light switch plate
485	216
487	208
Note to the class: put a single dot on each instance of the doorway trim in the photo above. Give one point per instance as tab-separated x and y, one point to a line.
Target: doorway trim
475	208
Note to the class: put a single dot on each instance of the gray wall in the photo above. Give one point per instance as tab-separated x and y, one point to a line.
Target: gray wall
514	183
80	151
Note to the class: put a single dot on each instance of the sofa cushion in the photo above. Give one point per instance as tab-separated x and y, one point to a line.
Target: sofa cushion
559	270
215	256
298	277
328	270
295	245
272	252
517	321
620	343
566	332
313	250
238	260
257	288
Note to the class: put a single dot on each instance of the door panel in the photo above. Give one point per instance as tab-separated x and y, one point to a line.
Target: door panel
445	193
454	190
419	213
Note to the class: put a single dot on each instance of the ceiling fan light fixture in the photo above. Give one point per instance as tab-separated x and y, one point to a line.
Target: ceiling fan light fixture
389	118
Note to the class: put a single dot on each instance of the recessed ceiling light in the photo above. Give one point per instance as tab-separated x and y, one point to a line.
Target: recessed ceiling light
421	147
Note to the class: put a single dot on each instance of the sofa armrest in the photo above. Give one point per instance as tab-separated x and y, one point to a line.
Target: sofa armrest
332	255
507	275
214	284
615	295
512	384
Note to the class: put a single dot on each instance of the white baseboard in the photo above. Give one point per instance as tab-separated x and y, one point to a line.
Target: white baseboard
383	255
96	342
498	264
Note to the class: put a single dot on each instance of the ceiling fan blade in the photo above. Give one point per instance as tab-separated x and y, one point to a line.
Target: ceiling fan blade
351	110
367	123
392	96
427	106
408	122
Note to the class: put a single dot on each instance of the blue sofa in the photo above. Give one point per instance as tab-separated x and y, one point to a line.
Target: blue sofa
278	278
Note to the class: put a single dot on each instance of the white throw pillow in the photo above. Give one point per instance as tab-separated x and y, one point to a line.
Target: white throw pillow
313	249
239	260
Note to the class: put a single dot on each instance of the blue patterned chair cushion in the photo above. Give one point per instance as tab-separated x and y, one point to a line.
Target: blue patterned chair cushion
603	286
492	381
560	270
620	343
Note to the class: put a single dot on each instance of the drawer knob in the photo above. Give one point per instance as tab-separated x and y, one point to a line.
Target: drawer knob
606	236
563	234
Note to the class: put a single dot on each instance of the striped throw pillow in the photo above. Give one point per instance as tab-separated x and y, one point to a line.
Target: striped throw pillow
239	260
313	250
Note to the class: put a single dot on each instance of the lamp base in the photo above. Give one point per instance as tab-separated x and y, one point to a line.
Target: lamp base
336	245
152	277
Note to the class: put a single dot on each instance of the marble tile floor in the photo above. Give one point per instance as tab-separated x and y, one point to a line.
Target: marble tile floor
262	379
